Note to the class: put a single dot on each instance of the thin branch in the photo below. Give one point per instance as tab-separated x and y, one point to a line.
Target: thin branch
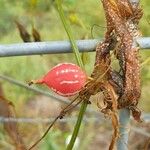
48	94
53	97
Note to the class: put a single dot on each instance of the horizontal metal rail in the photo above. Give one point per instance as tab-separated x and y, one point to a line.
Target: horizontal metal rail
97	120
54	47
48	120
36	120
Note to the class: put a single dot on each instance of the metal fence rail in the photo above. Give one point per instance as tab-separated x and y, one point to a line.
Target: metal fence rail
97	120
54	47
36	120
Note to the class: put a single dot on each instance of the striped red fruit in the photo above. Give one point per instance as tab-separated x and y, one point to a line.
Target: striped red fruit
65	79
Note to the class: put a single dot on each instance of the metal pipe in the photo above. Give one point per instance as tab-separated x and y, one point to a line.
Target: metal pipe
55	47
52	47
124	123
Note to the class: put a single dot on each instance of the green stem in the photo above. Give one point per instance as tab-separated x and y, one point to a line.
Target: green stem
69	33
80	63
77	126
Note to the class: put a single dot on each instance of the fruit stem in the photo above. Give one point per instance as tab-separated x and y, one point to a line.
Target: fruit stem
40	81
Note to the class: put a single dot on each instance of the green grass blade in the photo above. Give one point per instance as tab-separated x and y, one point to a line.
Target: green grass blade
80	63
69	33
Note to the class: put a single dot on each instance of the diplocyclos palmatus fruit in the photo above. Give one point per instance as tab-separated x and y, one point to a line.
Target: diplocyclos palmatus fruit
65	79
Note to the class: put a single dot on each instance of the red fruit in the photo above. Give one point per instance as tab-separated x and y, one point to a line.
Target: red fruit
66	79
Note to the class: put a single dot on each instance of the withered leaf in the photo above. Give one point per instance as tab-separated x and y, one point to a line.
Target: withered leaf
7	111
125	8
36	35
25	36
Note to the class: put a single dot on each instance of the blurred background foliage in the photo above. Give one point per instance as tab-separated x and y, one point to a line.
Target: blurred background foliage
83	16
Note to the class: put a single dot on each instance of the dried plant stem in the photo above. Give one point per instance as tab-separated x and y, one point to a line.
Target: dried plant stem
60	116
